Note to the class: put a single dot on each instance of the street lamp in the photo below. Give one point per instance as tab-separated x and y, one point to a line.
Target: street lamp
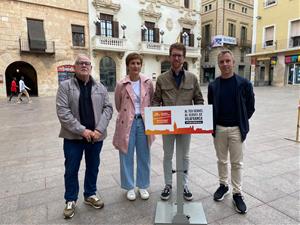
162	34
123	26
199	40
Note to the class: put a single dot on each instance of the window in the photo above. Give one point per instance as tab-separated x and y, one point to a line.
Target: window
206	34
206	8
269	36
209	7
206	55
242	55
187	4
106	25
231	30
270	2
231	5
295	33
244	10
243	35
165	66
78	35
36	35
150	33
186	37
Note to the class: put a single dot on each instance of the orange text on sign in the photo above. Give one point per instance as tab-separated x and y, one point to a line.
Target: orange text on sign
162	117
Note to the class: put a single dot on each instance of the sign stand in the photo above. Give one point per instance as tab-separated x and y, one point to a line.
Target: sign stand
187	119
180	212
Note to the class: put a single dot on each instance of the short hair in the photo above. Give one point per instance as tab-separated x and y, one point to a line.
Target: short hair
81	55
132	56
225	51
178	46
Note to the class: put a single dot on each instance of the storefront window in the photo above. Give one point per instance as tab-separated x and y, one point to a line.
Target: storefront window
294	74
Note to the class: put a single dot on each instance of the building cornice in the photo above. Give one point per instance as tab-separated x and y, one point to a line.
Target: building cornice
292	50
106	4
186	21
149	13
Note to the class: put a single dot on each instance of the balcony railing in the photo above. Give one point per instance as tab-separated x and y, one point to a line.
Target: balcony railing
47	47
109	43
154	48
244	43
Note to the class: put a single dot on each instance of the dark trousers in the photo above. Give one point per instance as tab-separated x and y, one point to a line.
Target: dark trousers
13	93
73	151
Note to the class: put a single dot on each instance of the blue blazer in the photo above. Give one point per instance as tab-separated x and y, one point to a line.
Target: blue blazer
245	102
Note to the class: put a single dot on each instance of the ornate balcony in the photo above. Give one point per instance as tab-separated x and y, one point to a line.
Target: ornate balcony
244	43
109	44
37	46
153	48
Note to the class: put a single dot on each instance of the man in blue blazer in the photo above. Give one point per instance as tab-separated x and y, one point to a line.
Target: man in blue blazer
232	98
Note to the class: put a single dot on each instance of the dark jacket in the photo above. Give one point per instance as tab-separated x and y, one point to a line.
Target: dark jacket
245	102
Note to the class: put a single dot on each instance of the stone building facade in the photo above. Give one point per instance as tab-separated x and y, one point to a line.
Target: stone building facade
225	24
39	40
148	27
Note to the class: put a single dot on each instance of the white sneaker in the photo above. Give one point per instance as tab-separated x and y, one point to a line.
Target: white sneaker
144	194
131	195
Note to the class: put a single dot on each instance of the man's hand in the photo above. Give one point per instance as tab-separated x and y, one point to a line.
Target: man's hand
96	135
87	134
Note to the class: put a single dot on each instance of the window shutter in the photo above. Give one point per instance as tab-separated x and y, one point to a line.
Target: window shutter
156	35
115	29
295	31
233	30
143	35
269	32
98	28
191	40
36	34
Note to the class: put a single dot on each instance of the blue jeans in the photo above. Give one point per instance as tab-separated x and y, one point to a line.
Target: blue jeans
138	141
73	150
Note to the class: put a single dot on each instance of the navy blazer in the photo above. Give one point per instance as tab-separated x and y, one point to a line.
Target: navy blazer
245	102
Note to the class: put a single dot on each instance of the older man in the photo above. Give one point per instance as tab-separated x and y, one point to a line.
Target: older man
84	111
232	98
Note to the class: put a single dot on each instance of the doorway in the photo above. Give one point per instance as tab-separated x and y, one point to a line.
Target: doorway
108	73
19	69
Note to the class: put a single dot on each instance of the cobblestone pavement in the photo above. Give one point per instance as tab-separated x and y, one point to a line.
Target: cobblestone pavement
31	169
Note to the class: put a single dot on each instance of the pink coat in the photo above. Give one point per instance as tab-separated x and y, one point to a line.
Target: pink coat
124	100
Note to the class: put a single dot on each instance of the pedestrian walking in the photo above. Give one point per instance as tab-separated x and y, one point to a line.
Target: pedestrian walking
84	111
232	98
22	88
13	89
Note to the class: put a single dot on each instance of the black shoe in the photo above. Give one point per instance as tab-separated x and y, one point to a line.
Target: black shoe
165	194
221	192
187	195
239	204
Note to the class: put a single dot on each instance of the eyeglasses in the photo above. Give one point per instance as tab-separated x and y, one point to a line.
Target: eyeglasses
176	55
83	63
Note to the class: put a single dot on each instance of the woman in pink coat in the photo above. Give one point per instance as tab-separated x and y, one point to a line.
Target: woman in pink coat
132	95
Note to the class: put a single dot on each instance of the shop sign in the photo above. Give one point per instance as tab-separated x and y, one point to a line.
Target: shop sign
220	40
292	59
188	119
65	72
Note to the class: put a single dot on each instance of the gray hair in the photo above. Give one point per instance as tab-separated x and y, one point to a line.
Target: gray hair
225	51
81	55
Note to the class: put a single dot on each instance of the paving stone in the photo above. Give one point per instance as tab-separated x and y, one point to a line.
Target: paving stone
288	205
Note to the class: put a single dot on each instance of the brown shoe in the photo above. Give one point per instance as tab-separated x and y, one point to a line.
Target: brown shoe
69	210
94	201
